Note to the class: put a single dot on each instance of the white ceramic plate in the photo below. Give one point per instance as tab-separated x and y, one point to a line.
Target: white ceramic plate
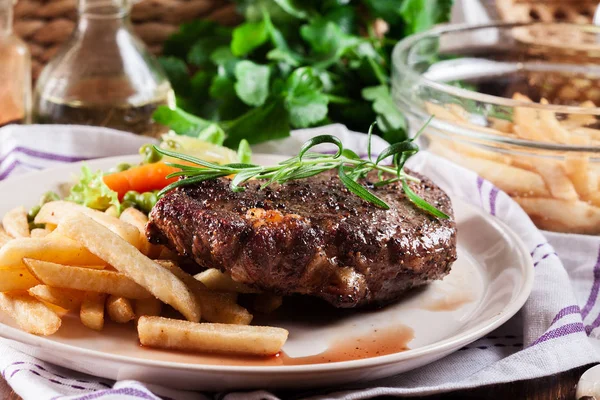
488	284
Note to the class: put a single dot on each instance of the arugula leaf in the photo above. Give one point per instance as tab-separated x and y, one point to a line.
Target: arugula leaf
201	51
212	134
267	122
345	18
180	43
244	152
92	192
420	15
248	37
389	118
252	84
177	73
180	121
291	7
304	100
278	40
389	10
327	41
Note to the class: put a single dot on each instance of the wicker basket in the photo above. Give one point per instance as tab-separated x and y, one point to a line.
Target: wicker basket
46	24
575	11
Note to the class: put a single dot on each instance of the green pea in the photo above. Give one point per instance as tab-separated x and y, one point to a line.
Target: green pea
119	168
123	167
131	197
127	204
150	154
48	197
147	201
33	212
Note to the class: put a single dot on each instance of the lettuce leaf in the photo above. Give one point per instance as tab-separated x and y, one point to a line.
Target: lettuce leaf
92	192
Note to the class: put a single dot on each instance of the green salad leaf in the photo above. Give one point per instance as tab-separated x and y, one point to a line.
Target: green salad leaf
92	192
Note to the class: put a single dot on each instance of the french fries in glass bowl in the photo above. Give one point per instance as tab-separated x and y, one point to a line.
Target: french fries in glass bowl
516	103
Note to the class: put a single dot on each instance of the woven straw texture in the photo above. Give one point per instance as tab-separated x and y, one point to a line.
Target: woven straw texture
46	24
575	11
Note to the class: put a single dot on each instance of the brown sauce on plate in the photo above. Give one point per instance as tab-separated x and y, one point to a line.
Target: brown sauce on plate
379	342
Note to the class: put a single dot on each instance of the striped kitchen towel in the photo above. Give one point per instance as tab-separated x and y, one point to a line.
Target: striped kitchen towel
557	329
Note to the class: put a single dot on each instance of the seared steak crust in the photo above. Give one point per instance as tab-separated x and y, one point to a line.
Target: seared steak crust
311	236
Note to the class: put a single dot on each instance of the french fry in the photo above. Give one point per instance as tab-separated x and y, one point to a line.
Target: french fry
30	314
138	219
501	125
150	307
40	233
57	211
526	121
442	113
55	249
512	180
583	178
549	124
119	309
218	307
92	311
15	223
560	215
556	179
581	120
86	279
266	303
214	279
127	259
64	298
4	237
206	337
16	279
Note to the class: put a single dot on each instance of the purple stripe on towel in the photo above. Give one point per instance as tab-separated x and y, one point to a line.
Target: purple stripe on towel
535	264
479	186
566	311
493	196
596	323
537	247
14	165
594	292
49	372
564	330
43	155
127	391
49	379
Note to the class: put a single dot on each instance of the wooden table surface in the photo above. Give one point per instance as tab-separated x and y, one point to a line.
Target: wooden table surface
556	387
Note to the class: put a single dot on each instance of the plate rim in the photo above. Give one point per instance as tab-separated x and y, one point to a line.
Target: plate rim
440	347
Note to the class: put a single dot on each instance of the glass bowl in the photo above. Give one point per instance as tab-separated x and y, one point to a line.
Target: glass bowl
516	103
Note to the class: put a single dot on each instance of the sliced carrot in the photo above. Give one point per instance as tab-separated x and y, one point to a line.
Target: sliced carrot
144	178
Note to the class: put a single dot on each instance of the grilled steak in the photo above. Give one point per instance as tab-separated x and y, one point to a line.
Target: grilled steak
311	236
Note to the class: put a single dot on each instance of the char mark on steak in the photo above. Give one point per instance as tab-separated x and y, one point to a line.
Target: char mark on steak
311	236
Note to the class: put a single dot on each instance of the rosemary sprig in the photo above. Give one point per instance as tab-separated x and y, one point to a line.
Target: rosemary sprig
351	168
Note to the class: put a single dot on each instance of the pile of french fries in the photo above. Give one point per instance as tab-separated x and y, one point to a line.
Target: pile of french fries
558	191
96	265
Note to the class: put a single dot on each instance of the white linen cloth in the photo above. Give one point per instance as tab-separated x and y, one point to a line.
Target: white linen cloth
556	330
